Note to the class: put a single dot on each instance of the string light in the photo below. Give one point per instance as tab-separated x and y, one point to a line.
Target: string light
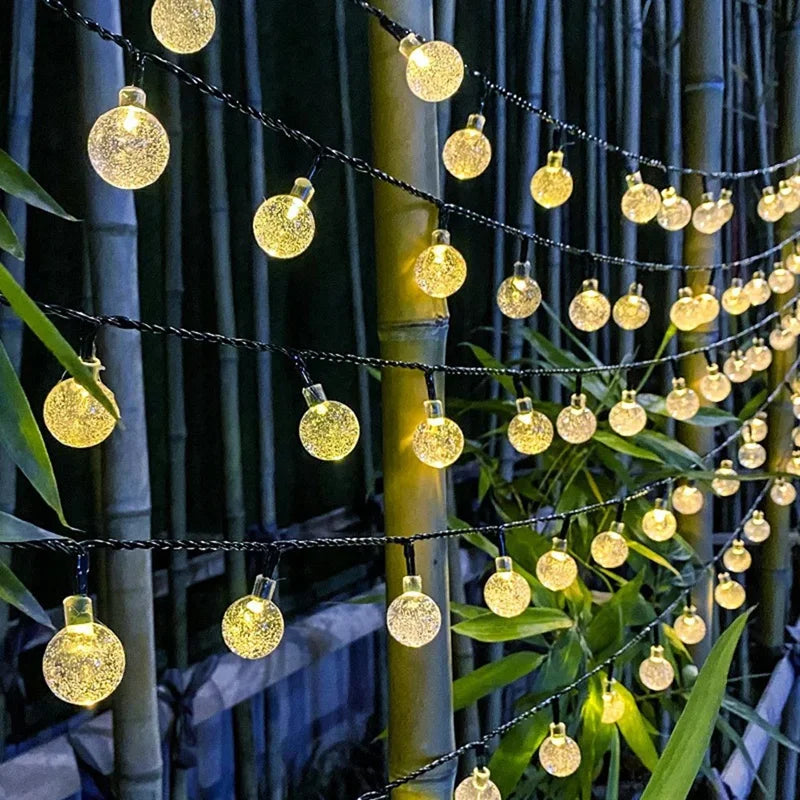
440	270
413	618
75	417
589	309
675	212
576	423
659	523
782	493
252	626
757	289
690	627
437	441
728	593
128	147
609	548
780	280
529	432
518	296
641	201
329	430
682	402
632	310
770	206
725	206
559	754
757	426
792	260
758	356
781	339
467	152
613	704
627	417
735	299
792	465
796	436
707	304
708	217
714	386
757	529
551	185
725	481
789	194
736	558
434	70
506	593
284	224
684	312
477	786
687	499
556	569
656	672
183	26
751	454
736	367
84	662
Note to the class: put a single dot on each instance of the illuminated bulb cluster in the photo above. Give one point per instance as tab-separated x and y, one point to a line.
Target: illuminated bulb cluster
714	386
506	593
627	417
576	423
735	299
477	786
725	482
434	70
770	206
736	558
613	704
76	418
659	523
792	465
690	627
757	529
529	432
413	618
782	493
329	430
518	296
656	672
682	402
641	201
758	356
467	152
284	224
128	147
789	193
710	215
183	26
551	185
728	593
84	662
687	499
440	270
252	626
609	548
675	212
781	280
437	441
556	569
589	309
559	754
736	367
632	310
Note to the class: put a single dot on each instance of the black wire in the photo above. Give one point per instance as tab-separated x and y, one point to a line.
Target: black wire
430	384
556	709
82	572
410	557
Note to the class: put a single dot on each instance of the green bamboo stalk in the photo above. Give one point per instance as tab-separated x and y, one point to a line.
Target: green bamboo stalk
603	224
445	29
410	325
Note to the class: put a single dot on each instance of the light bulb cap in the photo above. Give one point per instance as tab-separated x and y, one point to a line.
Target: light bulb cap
314	394
434	409
132	96
679	384
768	193
503	564
555	159
480	778
78	610
476	122
628	396
303	190
589	285
617	527
558	732
578	401
635	289
264	587
524	405
408	44
522	269
560	545
725	195
440	236
633	179
669	193
685	291
656	652
412	583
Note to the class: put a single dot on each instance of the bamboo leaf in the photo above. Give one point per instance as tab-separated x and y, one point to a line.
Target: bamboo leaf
531	622
467	611
671	451
514	753
594	737
612	782
625	446
13	529
13	592
751	715
604	633
8	238
486	359
492	676
644	550
706	417
726	729
17	182
634	730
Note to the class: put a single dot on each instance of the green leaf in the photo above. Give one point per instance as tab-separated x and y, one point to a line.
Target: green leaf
644	550
22	439
14	593
49	336
625	446
531	622
612	782
751	715
17	182
467	611
671	451
486	359
604	633
8	238
706	417
594	737
515	751
17	530
726	729
677	768
492	676
634	730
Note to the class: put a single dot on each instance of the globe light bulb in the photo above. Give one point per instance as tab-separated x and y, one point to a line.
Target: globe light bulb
714	386
781	339
757	529
329	430
413	618
782	493
183	26
682	402
757	289
613	704
631	311
440	270
690	627
252	626
792	260
789	193
780	280
736	558
728	593
467	152
529	432
518	296
559	755
757	426
795	401
792	465
84	662
506	593
284	224
641	201
655	672
627	417
752	455
708	217
128	146
770	206
659	523
609	548
589	309
477	786
791	323
758	356
576	424
707	304
556	569
74	417
725	481
725	206
796	436
687	499
434	70
737	368
684	313
437	441
551	185
675	212
735	299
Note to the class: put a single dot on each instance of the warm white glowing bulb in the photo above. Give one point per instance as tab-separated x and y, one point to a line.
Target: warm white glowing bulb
770	207
675	212
589	309
467	152
437	441
752	455
736	558
656	672
440	270
781	338
685	313
735	299
627	417
252	626
796	436
518	296
551	185
792	465
758	355
757	426
687	499
708	217
714	386
609	548
559	755
725	206
284	224
434	70
659	523
183	26
790	196
757	288
506	593
682	402
780	280
329	430
736	367
707	304
690	627
782	493
792	260
413	618
757	529
613	704
632	310
529	432
477	786
795	401
576	424
728	593
725	482
556	569
641	201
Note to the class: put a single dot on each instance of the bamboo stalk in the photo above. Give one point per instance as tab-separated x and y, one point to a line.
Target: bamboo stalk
603	226
445	29
410	325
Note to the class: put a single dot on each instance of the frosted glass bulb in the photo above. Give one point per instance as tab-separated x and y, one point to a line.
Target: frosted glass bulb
782	493
770	206
467	152
440	270
477	786
329	430
589	309
792	465
707	304
84	662
737	368
518	296
708	217
789	193
183	26
284	224
675	212
714	386
752	455
659	523
684	313
551	185
627	417
758	355
128	146
687	499
792	260
736	558
613	704
576	424
632	310
682	402
529	432
735	299
757	288
252	626
757	529
559	755
728	593
725	206
781	339
655	672
506	593
413	618
434	70
609	548
690	627
74	417
437	441
780	280
791	323
641	201
725	481
757	426
796	436
556	569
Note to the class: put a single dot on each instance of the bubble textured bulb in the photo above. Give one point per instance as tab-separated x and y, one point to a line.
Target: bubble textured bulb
518	296
551	185
413	618
655	672
780	279
770	206
781	339
506	593
329	430
758	356
659	523
675	212
477	786
589	309
689	627
687	499
529	432
757	426
556	569
736	367
252	626
736	558
757	529
728	593
714	386
682	403
641	201
434	70
437	441
576	424
725	206
613	704
183	26
757	289
632	310
627	417
284	225
752	455
467	152
789	193
725	482
440	270
559	755
684	313
782	493
708	218
609	548
708	306
735	299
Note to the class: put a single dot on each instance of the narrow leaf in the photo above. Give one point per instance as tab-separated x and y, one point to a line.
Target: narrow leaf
644	550
8	238
634	730
612	782
17	530
492	676
516	750
13	592
751	715
622	445
532	622
706	417
15	181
